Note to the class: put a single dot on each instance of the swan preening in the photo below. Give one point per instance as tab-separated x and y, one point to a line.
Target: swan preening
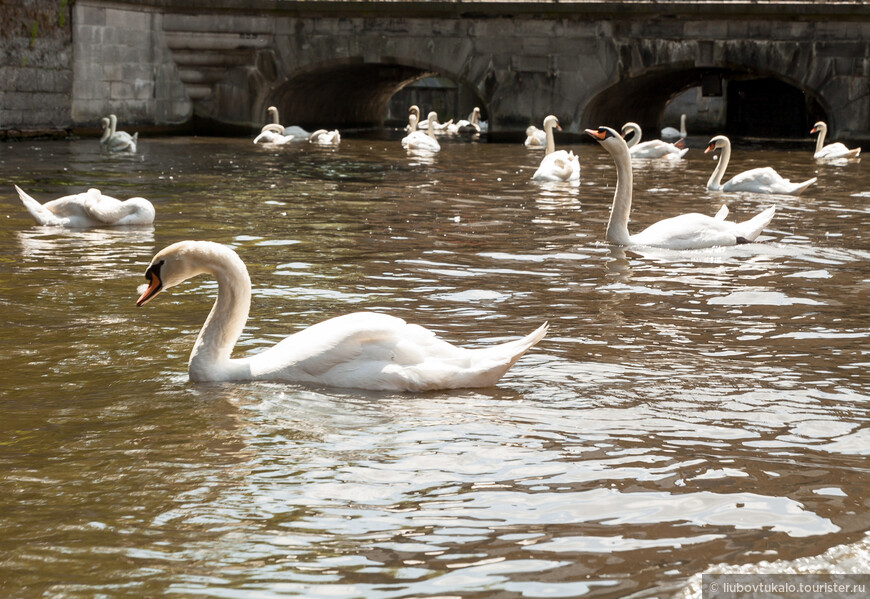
292	131
362	350
556	165
671	133
834	151
117	141
687	231
758	180
535	138
652	149
419	141
89	209
325	138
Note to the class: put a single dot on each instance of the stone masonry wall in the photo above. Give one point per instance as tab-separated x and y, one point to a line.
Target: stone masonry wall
35	67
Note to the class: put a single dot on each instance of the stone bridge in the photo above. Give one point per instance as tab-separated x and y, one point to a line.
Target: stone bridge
221	63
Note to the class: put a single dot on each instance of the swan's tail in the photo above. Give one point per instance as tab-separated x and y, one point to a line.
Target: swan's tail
801	187
489	364
40	213
752	228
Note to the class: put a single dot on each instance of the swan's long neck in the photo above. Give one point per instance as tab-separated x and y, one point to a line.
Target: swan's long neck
113	124
551	142
275	118
210	359
820	140
431	131
107	131
617	226
715	181
683	125
635	139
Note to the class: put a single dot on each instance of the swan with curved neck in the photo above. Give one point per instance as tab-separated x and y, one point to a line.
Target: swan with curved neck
362	350
117	141
671	133
323	137
757	180
834	151
421	141
294	132
89	209
652	149
556	165
687	231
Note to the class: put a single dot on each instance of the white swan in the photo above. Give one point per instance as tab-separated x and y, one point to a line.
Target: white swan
419	141
684	232
469	126
363	350
556	165
834	151
439	128
535	138
652	149
758	180
671	133
298	133
89	209
117	141
325	138
273	136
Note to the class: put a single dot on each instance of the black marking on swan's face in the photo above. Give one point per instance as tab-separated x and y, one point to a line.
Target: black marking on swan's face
602	133
155	285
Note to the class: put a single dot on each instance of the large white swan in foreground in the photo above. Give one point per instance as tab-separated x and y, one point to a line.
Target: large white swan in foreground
671	133
652	149
758	180
834	151
421	141
297	133
117	141
684	232
89	209
556	165
363	350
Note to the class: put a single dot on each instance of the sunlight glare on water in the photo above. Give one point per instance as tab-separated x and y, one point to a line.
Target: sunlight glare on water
687	408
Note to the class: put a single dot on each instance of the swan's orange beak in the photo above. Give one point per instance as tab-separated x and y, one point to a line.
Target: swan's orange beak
813	130
599	135
710	148
154	284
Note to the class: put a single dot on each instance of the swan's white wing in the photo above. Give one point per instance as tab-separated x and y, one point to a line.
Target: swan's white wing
835	151
765	180
657	148
687	231
558	166
418	140
122	141
106	210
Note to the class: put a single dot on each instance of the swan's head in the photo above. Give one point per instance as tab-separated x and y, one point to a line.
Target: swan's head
631	128
819	127
104	123
609	139
271	110
433	116
175	264
552	122
720	141
530	130
415	110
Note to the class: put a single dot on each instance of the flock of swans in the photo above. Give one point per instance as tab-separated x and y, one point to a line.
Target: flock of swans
366	350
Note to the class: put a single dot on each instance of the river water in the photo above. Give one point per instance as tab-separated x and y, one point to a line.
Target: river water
687	408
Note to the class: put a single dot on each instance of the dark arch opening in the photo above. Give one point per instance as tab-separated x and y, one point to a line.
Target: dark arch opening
757	105
450	98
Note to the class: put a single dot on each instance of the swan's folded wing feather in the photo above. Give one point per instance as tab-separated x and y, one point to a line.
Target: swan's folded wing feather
687	231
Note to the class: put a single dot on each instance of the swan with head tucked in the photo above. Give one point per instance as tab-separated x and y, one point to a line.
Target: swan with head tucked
420	141
89	209
535	138
325	138
834	151
556	165
274	136
362	350
671	133
684	232
653	149
297	133
117	141
758	180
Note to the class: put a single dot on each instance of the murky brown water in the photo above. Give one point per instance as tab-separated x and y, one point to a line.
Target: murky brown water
686	409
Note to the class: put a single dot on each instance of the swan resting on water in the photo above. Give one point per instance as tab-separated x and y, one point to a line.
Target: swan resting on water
117	141
834	151
325	138
757	180
89	209
293	131
362	350
556	165
672	133
684	232
653	149
421	141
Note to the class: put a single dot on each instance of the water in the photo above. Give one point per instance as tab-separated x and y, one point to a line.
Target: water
686	409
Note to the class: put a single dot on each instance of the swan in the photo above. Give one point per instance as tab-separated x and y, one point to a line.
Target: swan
471	125
655	148
362	350
298	133
671	133
417	140
440	128
556	166
325	138
758	180
273	136
834	151
535	138
117	141
684	232
89	209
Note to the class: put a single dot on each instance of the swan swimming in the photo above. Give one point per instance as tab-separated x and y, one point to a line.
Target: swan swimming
556	165
758	180
89	209
297	133
653	149
420	141
117	141
671	133
325	138
684	232
535	138
834	151
362	350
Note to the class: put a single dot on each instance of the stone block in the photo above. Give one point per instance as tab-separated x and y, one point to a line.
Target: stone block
128	19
